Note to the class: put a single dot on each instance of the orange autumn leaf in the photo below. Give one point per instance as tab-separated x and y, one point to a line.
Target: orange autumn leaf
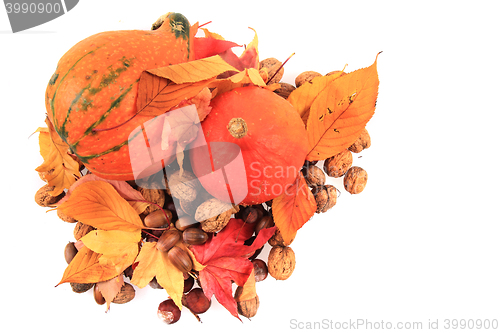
341	111
303	97
293	208
98	204
64	170
153	262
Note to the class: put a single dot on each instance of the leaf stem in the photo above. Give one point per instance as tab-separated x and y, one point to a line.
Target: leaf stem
283	64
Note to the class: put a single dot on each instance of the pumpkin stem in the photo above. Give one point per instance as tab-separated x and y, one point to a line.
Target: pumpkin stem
237	127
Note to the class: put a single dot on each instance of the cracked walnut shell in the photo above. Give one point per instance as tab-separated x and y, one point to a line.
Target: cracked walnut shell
214	214
281	262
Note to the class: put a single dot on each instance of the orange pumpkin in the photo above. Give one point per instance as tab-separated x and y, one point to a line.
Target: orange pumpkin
95	88
269	134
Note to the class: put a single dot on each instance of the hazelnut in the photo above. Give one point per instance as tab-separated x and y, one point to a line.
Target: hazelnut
337	165
355	180
306	76
281	262
362	142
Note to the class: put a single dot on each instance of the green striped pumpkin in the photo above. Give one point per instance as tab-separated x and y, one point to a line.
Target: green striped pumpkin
95	87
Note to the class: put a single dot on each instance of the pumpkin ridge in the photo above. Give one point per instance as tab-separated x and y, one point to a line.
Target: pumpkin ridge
85	159
114	104
52	108
62	130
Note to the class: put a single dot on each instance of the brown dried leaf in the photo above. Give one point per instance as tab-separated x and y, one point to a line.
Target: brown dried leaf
110	288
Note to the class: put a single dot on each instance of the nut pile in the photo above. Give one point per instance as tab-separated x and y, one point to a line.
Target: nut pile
194	215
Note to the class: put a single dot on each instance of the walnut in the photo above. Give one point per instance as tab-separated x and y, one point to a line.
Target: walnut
81	287
81	230
281	262
326	197
65	217
44	199
314	176
126	294
153	193
337	165
355	180
271	65
277	239
214	214
285	90
305	77
363	142
247	308
183	185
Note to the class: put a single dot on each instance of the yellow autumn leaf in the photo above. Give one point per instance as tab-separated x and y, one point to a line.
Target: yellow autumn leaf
194	71
98	204
85	268
114	245
245	77
64	170
153	262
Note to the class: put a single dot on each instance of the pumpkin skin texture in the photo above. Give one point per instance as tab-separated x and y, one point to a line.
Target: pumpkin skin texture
273	149
95	87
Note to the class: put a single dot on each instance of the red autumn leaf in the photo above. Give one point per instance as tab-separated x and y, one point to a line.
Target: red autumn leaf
206	46
226	259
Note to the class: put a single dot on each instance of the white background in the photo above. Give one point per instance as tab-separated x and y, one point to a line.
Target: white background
419	244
